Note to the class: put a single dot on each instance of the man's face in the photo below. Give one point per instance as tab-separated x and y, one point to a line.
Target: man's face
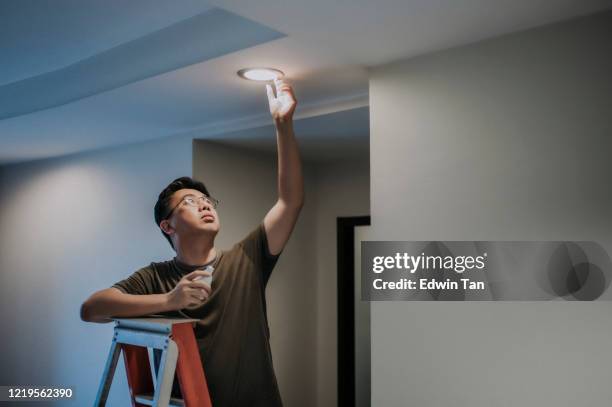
192	216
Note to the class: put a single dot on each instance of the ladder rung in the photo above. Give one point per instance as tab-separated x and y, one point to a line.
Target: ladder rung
147	399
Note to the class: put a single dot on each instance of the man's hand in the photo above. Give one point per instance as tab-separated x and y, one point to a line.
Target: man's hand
281	218
189	294
283	105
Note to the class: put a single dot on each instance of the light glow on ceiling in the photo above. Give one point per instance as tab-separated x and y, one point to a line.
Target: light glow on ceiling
260	74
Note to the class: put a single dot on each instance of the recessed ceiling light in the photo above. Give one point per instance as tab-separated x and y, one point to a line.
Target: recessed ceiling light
260	74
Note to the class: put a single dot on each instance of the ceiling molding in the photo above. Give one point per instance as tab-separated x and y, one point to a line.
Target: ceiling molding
303	112
218	32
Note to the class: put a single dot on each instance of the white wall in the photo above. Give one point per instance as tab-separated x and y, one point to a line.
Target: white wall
71	226
245	182
508	139
77	224
343	189
302	292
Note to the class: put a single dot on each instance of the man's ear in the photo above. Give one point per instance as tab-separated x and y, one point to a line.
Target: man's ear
166	227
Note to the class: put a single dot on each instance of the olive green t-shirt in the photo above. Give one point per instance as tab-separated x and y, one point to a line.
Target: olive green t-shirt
232	332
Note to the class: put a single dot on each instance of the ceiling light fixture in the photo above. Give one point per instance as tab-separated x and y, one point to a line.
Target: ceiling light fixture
260	74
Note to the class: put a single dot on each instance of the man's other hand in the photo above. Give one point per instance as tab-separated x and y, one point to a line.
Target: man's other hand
188	293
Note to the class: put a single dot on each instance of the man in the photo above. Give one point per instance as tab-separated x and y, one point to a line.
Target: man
232	333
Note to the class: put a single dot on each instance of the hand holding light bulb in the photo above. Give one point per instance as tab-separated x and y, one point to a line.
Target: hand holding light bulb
283	104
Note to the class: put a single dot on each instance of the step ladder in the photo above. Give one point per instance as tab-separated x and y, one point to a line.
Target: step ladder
179	353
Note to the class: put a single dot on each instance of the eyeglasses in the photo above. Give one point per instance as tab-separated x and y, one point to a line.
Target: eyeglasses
194	201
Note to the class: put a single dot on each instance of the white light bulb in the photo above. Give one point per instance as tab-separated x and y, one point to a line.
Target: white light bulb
260	74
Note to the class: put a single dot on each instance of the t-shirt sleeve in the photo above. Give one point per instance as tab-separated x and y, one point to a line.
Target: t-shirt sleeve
140	282
255	246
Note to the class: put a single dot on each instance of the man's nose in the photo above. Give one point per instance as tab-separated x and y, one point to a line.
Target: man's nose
204	204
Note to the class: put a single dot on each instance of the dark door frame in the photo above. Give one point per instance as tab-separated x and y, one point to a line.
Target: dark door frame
345	232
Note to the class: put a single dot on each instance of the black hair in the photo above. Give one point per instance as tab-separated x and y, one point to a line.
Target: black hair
162	206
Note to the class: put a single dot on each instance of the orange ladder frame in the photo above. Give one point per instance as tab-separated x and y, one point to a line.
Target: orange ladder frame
180	354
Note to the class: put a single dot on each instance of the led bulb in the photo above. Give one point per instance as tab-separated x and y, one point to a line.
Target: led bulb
260	74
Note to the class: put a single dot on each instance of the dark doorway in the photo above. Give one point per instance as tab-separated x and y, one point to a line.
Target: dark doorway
346	307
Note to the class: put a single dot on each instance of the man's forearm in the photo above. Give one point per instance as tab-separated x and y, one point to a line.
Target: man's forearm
108	303
290	179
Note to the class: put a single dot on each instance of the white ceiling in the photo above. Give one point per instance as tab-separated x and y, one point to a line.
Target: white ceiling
77	76
39	36
374	32
324	138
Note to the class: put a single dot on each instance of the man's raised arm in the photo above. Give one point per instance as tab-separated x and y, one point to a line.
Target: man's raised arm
280	220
